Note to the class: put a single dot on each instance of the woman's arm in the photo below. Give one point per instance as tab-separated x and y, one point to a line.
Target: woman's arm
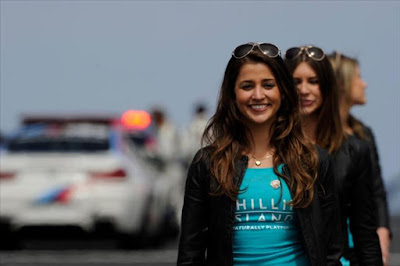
380	199
362	208
192	243
330	211
378	184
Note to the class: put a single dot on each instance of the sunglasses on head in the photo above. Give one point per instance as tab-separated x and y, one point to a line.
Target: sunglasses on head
313	52
244	50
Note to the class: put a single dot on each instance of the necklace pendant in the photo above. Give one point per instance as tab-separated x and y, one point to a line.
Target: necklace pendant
258	163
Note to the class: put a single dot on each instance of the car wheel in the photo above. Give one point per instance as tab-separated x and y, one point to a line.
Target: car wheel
10	240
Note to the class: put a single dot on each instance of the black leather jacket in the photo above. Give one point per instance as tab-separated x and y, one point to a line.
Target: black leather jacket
379	190
207	221
353	182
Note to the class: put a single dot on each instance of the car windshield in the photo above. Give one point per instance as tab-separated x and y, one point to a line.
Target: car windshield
65	138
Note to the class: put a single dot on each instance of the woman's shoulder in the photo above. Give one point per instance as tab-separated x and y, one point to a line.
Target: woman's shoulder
199	168
367	131
202	155
354	146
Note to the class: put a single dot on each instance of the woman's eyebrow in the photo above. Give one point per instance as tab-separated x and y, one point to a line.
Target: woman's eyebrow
246	80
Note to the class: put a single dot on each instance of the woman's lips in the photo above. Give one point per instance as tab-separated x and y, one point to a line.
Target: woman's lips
306	103
259	107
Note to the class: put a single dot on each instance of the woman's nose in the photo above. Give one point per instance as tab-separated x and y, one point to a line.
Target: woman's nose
258	93
365	85
302	87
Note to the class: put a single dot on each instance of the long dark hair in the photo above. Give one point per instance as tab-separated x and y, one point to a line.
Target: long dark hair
330	133
226	134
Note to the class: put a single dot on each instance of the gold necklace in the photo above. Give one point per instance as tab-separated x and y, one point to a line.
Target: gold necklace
257	162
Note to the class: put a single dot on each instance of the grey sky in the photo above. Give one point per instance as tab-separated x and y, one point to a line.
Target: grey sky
110	56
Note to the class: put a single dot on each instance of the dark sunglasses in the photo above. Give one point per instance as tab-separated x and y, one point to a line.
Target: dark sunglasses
244	50
313	52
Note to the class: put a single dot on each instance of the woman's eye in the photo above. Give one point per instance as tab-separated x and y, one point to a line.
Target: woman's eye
313	81
297	81
269	85
246	86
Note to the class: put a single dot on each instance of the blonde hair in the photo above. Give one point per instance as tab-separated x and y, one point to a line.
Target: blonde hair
345	69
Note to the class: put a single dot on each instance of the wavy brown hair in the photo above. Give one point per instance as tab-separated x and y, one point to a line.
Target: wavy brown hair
345	71
330	134
226	134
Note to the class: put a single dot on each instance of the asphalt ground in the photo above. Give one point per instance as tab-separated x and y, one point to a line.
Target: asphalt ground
77	252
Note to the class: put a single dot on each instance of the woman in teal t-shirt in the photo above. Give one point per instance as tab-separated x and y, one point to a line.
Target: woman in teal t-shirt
259	193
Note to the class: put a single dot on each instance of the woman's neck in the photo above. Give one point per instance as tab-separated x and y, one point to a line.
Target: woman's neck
309	125
344	117
259	137
260	151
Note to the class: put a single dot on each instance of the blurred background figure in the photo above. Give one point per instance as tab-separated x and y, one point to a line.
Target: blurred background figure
191	139
166	146
352	92
2	141
165	155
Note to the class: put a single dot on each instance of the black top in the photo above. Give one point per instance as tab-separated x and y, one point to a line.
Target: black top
353	182
379	191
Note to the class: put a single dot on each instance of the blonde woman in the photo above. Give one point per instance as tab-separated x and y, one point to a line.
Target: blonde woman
352	92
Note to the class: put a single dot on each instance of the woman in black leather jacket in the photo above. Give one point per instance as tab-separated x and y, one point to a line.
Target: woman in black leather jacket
316	84
352	92
259	193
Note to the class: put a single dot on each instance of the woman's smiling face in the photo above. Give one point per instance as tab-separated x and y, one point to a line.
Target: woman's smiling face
257	94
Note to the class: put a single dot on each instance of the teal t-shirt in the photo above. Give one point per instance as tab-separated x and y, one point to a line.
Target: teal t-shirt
266	228
343	260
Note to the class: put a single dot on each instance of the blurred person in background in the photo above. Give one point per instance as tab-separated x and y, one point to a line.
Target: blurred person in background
191	139
259	193
316	86
166	146
3	141
165	155
352	92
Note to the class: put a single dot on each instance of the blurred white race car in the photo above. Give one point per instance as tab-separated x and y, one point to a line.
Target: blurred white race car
85	172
